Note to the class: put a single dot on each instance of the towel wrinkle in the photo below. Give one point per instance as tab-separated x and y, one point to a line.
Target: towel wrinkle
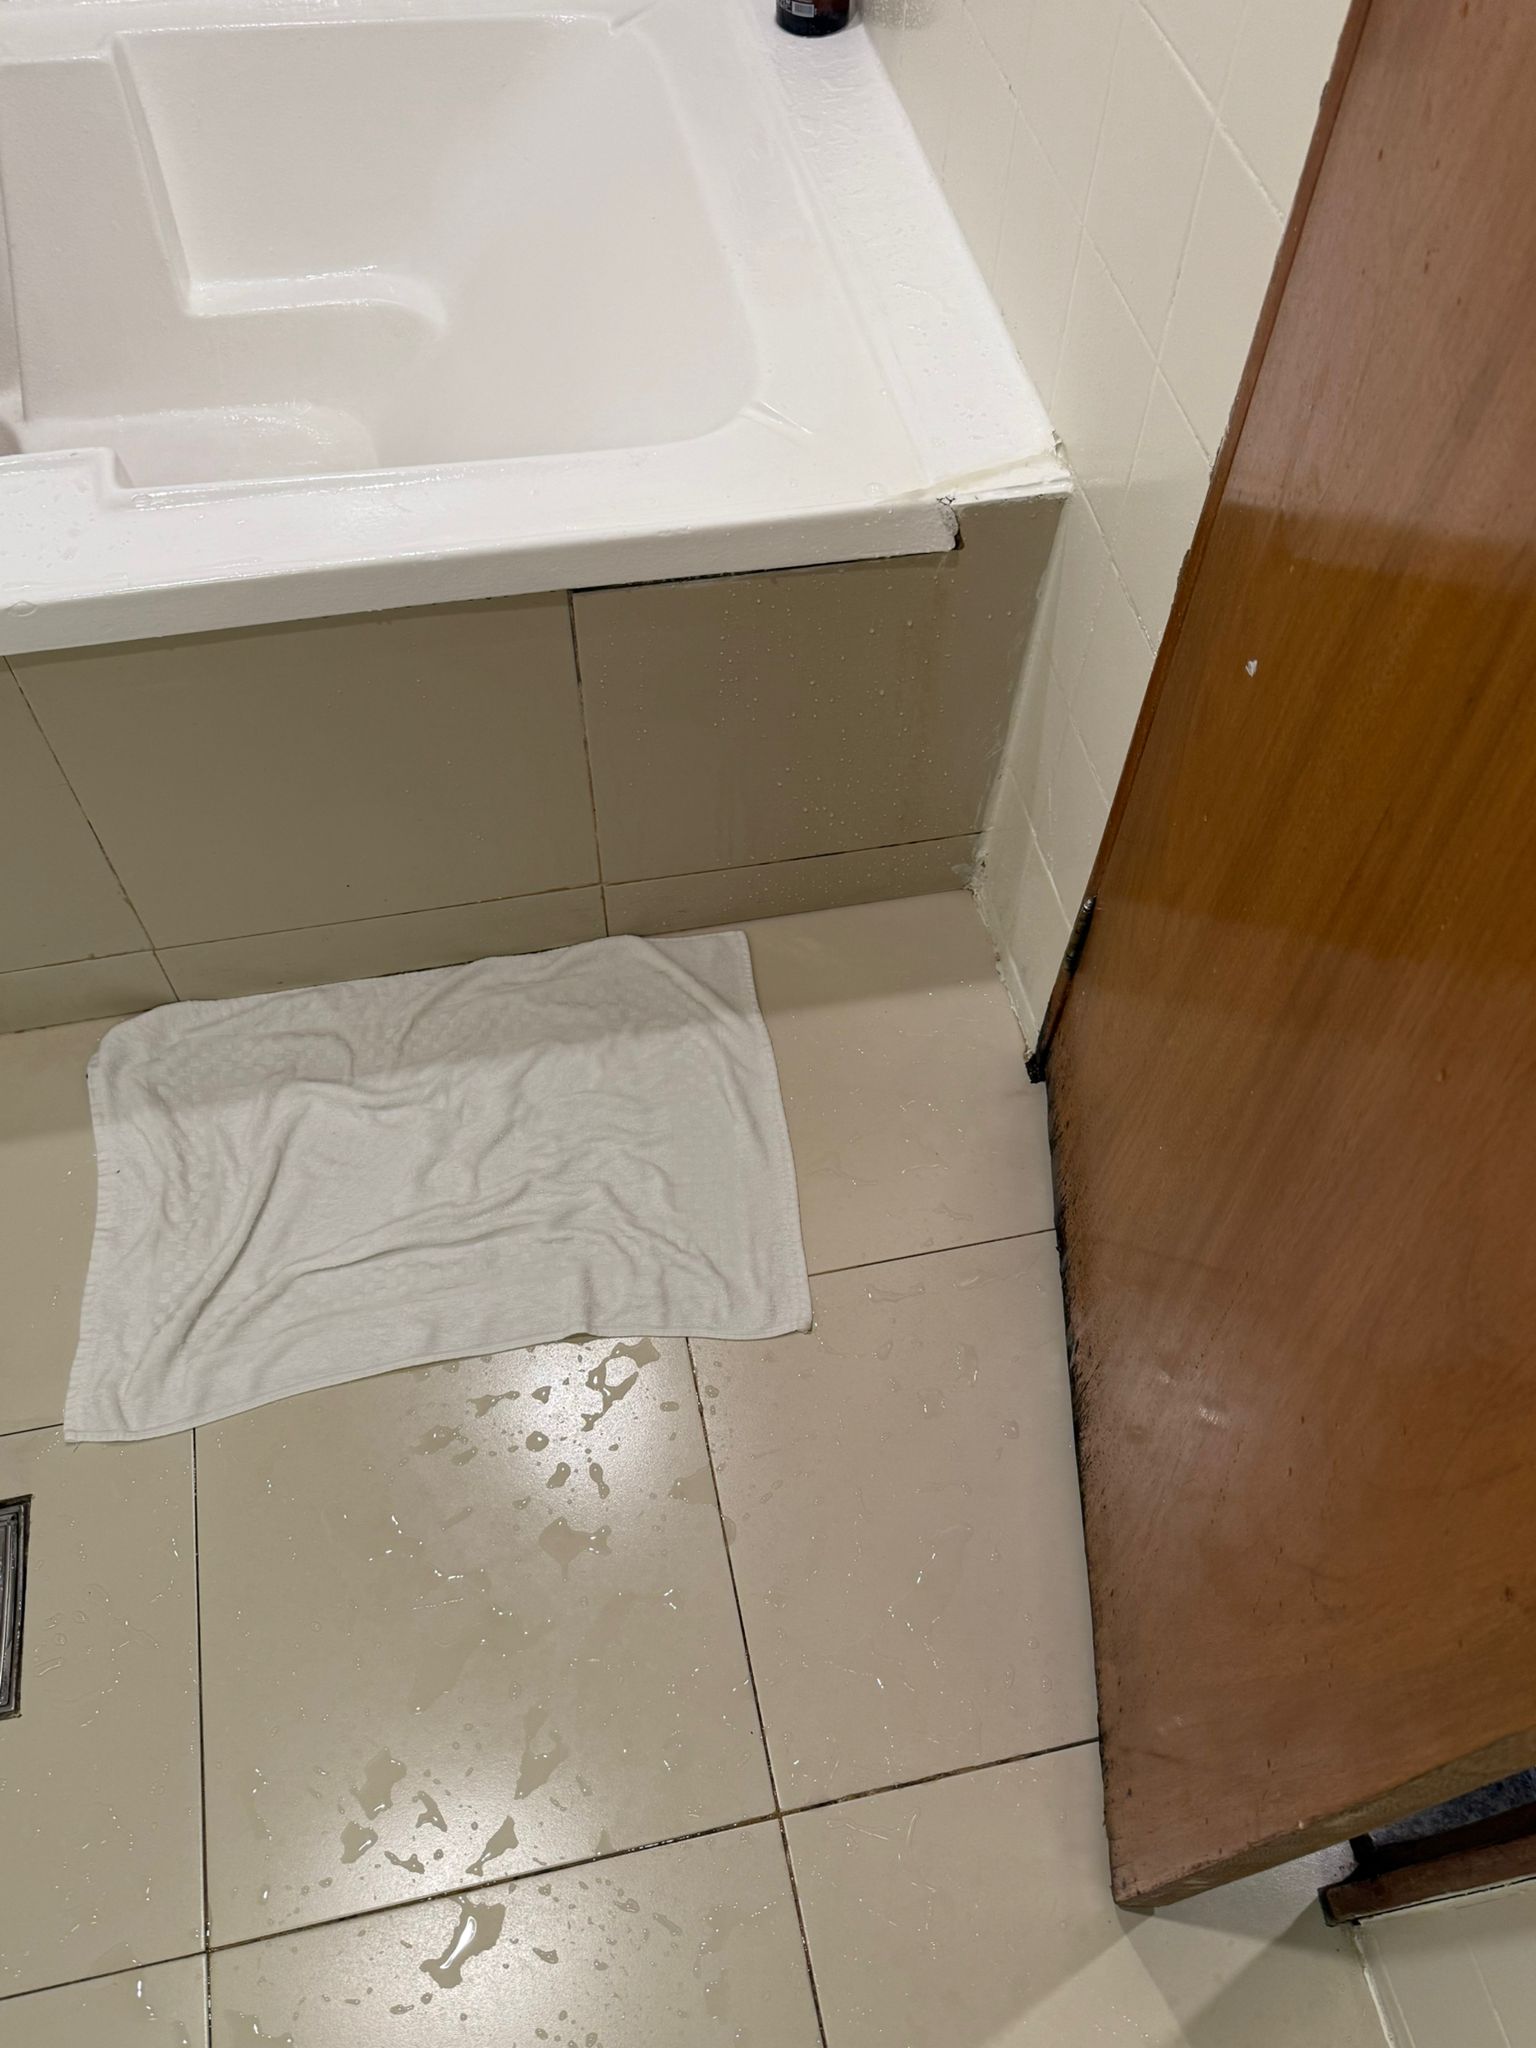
300	1189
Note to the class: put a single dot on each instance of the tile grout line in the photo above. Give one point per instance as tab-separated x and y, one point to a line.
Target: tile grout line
796	860
90	824
819	1273
543	1870
971	1244
157	947
991	1763
762	1725
202	1741
730	1566
483	1885
195	1955
805	1939
286	931
586	756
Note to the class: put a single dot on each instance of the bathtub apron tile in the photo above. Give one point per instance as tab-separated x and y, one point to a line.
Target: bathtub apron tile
385	945
750	719
59	900
260	781
784	888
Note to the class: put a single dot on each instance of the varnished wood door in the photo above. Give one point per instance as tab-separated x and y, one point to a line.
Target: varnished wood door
1293	1086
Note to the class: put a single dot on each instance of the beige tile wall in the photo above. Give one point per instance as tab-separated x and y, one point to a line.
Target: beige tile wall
62	901
748	719
224	813
1122	169
334	769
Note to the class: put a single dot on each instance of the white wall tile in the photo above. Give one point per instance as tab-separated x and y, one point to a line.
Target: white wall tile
1039	933
1113	682
1066	83
886	22
1102	386
1023	911
1227	263
1138	115
1157	127
1459	1975
930	39
1036	258
1500	1929
1085	569
1008	838
1039	708
1205	33
1042	734
1079	807
1006	25
980	143
1162	504
1279	69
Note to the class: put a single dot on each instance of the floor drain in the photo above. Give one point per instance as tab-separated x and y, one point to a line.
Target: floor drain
13	1585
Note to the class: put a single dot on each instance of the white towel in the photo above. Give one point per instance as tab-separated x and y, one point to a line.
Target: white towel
300	1189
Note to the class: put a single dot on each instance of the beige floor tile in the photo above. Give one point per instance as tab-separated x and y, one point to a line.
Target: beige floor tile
102	1863
462	1621
47	1207
975	1913
678	1947
913	1122
330	769
162	2007
783	888
906	1530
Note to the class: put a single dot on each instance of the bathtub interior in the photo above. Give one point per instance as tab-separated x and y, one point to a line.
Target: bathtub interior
260	249
323	306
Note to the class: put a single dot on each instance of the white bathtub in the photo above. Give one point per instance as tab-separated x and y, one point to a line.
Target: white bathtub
325	307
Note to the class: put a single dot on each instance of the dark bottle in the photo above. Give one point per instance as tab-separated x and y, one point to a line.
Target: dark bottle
814	17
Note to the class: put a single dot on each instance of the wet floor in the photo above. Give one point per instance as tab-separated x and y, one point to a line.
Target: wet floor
615	1693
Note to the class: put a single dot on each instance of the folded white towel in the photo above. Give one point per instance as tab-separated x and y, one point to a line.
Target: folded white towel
303	1188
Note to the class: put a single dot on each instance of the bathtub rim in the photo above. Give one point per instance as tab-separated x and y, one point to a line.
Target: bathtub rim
152	562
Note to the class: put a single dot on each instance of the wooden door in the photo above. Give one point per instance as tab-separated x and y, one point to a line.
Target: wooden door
1293	1087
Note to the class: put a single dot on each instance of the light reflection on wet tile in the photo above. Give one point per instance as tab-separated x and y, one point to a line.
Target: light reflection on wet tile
679	1947
423	1666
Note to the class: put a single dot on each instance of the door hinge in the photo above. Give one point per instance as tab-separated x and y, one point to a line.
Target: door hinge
1077	938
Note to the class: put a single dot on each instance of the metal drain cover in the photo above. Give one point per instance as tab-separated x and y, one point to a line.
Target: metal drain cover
13	1583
